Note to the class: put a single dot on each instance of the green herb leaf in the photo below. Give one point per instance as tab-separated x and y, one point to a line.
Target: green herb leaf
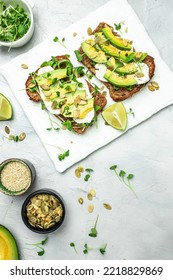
63	155
56	39
86	178
41	253
103	249
122	173
130	176
78	55
89	170
93	232
43	242
113	167
68	125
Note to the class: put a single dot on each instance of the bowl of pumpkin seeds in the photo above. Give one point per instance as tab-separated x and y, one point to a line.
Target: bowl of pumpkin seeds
43	211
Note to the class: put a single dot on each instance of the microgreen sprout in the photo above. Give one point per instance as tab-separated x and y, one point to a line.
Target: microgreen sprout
124	177
72	244
118	26
53	125
103	249
93	232
39	245
61	42
131	112
63	154
67	124
86	249
88	175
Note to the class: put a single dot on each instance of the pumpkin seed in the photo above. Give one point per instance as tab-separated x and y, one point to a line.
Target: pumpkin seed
32	85
90	208
7	130
154	84
139	75
151	88
93	192
22	136
89	196
107	206
89	31
76	113
80	200
54	104
24	66
45	87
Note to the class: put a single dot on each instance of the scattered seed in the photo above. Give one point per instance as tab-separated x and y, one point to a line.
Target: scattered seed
22	136
80	200
77	173
89	31
7	130
107	206
74	34
126	30
154	84
32	85
24	66
45	87
89	196
93	192
76	113
151	88
139	75
90	208
54	104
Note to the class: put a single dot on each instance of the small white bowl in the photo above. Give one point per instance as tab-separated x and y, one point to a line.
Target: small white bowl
27	5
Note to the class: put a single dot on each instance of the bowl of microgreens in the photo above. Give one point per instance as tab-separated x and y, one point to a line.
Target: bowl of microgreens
16	22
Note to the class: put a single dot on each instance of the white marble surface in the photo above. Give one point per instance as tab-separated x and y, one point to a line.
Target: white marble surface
139	228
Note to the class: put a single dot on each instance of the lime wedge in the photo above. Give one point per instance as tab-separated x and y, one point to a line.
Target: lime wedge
115	115
6	110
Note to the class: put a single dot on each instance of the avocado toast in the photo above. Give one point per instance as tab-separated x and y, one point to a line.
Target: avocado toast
114	61
65	93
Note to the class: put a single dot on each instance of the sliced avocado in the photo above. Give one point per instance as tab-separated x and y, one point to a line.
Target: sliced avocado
119	42
93	54
113	51
111	62
46	78
8	246
56	90
121	68
80	111
128	68
119	81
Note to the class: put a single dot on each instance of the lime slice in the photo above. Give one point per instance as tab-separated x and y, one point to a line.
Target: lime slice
6	110
115	115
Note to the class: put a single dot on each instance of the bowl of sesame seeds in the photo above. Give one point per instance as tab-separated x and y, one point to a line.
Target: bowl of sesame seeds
16	176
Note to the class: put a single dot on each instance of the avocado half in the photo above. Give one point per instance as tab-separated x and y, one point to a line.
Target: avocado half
8	245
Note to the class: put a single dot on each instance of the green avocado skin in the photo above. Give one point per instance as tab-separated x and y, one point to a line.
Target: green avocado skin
6	235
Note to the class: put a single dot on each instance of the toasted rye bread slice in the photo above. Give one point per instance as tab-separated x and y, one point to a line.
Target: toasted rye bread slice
119	94
99	100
